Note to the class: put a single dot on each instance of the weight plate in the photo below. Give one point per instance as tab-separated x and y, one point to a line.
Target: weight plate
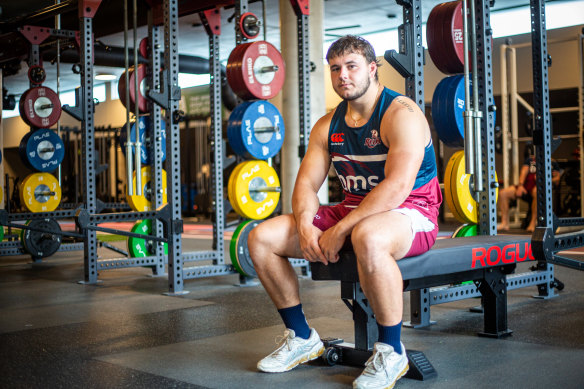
462	196
42	244
40	192
144	126
43	150
1	233
231	186
0	156
238	250
434	36
122	87
36	74
455	233
40	107
448	105
249	25
256	190
255	70
143	202
144	48
449	177
256	130
468	230
138	247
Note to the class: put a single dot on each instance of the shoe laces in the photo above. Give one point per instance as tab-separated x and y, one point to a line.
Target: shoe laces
376	362
281	339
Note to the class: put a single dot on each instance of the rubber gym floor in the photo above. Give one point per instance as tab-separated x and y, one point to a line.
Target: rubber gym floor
124	332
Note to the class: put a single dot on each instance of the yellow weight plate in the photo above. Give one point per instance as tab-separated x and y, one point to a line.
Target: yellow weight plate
40	192
254	190
1	196
231	186
143	202
461	194
449	178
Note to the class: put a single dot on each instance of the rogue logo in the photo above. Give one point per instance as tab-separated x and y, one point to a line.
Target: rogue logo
338	137
493	256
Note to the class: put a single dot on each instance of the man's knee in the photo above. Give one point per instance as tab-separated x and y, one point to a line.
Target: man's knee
368	239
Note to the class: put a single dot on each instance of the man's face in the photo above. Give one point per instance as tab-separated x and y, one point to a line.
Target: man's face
351	75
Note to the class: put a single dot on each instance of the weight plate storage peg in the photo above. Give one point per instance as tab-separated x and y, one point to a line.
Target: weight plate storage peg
138	247
122	87
40	192
42	244
40	107
256	130
256	70
42	150
143	202
255	190
238	250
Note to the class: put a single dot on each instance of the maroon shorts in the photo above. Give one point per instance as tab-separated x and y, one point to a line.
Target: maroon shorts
423	217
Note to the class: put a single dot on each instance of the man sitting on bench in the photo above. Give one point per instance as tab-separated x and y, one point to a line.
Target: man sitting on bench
380	145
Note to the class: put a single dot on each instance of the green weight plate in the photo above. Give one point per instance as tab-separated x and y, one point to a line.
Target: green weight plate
455	233
238	250
468	230
1	233
138	247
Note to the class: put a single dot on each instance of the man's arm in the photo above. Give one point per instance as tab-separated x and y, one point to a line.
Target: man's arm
404	130
312	173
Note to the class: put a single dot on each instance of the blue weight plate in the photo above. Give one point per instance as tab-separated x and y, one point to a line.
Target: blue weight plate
261	130
0	156
458	111
143	126
455	105
44	150
233	128
444	124
22	150
438	118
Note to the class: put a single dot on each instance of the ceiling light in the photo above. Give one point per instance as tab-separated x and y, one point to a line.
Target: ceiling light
106	77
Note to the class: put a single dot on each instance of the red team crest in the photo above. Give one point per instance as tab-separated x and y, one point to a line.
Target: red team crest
338	137
374	140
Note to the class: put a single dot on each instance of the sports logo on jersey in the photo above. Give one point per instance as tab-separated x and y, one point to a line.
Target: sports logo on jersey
374	140
338	138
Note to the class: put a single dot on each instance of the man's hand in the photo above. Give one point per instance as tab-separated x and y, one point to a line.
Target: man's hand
331	242
308	237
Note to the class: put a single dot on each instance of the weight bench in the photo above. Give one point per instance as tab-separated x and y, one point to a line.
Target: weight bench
486	260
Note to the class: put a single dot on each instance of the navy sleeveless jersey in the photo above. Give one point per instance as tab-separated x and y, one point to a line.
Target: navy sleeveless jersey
358	154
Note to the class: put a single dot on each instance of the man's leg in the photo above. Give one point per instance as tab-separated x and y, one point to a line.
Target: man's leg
379	241
270	244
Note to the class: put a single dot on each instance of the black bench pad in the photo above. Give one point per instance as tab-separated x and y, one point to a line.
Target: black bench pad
447	256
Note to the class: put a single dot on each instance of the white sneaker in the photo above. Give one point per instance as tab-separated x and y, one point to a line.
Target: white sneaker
293	351
383	368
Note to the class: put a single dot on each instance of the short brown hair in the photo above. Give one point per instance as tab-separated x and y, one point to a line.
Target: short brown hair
352	44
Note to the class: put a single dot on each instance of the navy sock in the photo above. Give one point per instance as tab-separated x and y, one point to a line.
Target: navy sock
391	335
294	319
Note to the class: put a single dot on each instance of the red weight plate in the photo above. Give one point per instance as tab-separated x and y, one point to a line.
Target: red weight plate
434	37
144	48
242	27
457	36
122	87
40	107
260	67
452	37
233	64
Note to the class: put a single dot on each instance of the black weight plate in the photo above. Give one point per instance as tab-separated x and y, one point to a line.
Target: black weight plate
42	244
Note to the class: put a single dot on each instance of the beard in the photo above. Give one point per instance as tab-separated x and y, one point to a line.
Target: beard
359	91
